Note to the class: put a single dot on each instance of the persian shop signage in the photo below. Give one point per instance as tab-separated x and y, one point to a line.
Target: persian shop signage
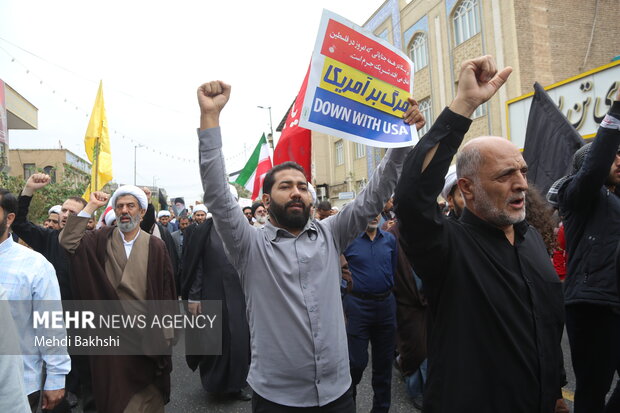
584	100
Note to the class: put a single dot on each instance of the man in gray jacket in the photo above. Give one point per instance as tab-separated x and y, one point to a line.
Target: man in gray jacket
290	271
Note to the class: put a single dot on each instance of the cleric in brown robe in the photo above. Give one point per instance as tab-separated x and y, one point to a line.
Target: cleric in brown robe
122	263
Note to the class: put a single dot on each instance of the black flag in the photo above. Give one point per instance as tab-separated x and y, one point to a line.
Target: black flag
550	141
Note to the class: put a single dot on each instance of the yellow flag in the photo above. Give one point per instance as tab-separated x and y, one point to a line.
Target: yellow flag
97	143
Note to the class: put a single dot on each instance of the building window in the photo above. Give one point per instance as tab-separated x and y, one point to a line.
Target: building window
466	21
427	111
51	171
419	52
29	169
339	152
360	150
480	111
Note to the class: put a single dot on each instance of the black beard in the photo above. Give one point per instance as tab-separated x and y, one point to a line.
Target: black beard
288	220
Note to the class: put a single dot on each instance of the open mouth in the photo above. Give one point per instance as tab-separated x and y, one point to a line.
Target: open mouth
517	203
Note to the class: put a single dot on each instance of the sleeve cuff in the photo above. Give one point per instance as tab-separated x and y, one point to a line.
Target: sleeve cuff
210	138
54	382
84	214
453	121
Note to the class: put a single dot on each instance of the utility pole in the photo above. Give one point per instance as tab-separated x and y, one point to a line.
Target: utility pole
135	159
270	139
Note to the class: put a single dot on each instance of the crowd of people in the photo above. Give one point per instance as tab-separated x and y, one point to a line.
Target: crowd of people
460	298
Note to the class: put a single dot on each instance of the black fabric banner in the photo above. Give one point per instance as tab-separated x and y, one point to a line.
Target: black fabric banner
550	141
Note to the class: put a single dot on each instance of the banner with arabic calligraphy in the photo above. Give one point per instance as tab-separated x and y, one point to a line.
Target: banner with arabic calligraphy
358	86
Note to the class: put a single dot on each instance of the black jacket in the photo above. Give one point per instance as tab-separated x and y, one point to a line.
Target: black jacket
45	242
592	224
496	310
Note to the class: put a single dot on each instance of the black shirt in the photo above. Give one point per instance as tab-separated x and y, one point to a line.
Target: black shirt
497	316
45	242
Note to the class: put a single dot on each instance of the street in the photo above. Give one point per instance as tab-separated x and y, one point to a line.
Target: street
188	395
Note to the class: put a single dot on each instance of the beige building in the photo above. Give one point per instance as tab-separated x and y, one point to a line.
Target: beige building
543	40
15	113
60	164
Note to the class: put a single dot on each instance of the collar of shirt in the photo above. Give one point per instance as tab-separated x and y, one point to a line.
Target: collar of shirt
128	244
378	235
6	244
470	218
273	232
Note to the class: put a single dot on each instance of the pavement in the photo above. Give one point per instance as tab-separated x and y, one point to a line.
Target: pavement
189	397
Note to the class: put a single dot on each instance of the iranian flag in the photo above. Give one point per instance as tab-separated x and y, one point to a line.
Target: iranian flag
253	173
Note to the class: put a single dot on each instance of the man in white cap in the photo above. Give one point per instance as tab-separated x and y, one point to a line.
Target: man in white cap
53	217
452	194
122	263
163	217
200	214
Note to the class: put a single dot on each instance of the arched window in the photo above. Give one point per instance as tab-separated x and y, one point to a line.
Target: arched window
418	52
426	110
51	171
466	20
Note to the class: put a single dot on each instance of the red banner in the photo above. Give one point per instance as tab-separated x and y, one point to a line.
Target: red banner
360	52
295	143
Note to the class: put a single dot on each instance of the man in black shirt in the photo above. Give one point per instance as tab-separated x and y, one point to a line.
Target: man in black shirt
45	241
496	308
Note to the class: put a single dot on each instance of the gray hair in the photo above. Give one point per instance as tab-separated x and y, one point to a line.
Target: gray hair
468	162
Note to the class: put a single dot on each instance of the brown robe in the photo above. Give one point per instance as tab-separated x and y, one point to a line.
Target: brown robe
101	271
411	313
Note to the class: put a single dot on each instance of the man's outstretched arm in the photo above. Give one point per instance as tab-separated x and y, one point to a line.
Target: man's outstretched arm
592	175
229	221
353	219
421	222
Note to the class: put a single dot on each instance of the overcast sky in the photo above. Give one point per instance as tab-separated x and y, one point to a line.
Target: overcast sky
152	56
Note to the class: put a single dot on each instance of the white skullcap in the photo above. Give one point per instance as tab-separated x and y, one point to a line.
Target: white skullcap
312	192
163	213
110	217
234	192
54	210
200	207
449	182
130	190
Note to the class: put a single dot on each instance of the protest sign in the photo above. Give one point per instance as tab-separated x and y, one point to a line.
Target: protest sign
358	86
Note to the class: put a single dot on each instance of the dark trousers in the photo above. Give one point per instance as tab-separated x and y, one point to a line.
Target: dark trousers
374	322
594	336
344	404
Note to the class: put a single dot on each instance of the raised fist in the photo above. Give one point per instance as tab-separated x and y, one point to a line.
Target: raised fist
479	80
147	192
98	199
212	97
38	181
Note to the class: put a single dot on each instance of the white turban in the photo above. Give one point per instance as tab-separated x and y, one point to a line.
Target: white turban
449	183
54	210
312	192
130	190
200	207
163	213
109	217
